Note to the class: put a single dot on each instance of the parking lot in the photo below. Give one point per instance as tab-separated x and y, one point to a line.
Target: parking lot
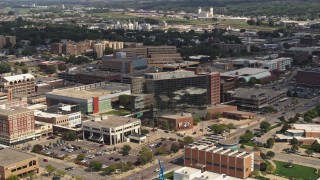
62	150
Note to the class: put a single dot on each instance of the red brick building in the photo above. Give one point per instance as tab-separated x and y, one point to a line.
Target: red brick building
224	161
214	88
16	125
181	121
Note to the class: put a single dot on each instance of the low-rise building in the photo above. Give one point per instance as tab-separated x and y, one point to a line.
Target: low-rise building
181	121
309	77
20	84
188	173
200	155
61	115
110	130
45	64
245	74
254	98
17	163
92	98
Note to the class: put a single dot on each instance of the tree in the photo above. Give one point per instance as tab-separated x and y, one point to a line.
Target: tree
242	146
70	136
24	70
165	125
217	115
270	142
13	177
309	152
62	67
270	154
256	148
175	147
295	148
307	119
315	146
196	120
10	13
294	141
286	45
265	126
109	170
270	168
161	151
145	155
60	173
50	169
81	157
285	127
124	100
246	137
37	148
187	140
5	68
255	173
125	150
208	116
282	119
144	131
95	165
51	69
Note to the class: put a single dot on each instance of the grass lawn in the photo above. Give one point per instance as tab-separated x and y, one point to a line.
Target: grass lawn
118	112
305	146
250	143
297	171
169	175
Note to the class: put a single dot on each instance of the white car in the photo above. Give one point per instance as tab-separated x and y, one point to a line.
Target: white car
151	145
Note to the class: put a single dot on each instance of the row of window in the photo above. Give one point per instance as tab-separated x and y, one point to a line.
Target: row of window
31	163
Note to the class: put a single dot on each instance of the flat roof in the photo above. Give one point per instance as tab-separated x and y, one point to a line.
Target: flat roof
19	77
254	93
182	64
177	116
10	156
82	94
244	71
14	110
241	113
170	75
307	127
111	121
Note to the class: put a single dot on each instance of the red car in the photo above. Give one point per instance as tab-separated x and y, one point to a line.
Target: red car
45	160
101	145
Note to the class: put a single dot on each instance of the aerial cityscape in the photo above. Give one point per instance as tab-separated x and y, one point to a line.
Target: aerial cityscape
159	89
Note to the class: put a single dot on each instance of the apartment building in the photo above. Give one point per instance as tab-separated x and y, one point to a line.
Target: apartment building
16	125
98	49
17	163
280	64
219	160
213	88
111	130
20	84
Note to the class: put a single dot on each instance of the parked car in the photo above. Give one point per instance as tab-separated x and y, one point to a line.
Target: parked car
117	159
45	160
111	158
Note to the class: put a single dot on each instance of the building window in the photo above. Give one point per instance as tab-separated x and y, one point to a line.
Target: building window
247	169
34	162
30	163
230	167
239	169
216	164
209	163
224	166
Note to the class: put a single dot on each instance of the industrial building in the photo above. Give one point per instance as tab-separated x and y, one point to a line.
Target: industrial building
111	130
92	98
17	163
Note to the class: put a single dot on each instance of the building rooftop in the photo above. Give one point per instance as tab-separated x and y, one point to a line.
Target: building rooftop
177	116
51	63
10	156
111	121
14	110
307	127
316	70
170	75
19	77
244	71
180	65
92	90
254	93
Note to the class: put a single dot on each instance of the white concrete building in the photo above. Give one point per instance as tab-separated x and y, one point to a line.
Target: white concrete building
111	130
187	173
